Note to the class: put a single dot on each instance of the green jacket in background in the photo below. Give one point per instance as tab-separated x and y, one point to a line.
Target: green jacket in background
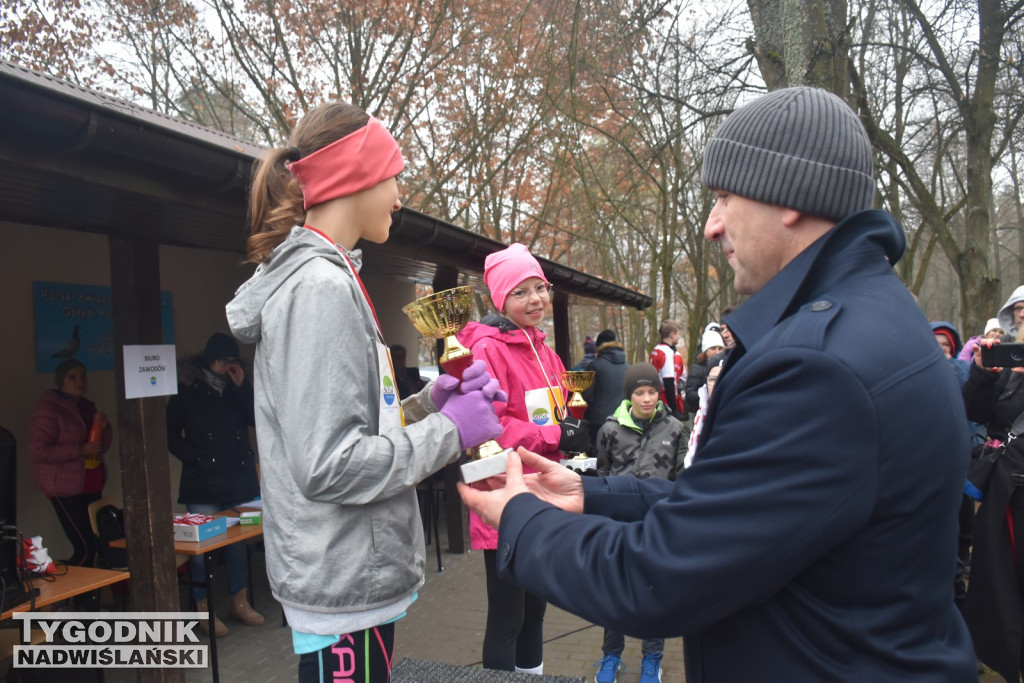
643	449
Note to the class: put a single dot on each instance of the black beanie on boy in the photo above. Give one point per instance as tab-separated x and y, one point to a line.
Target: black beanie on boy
641	375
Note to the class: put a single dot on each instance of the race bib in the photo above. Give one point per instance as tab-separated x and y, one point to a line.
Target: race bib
540	407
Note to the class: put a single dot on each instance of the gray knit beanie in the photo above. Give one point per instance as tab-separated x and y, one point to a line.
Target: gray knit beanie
800	148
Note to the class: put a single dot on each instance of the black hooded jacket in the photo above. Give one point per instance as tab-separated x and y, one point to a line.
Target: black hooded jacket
208	430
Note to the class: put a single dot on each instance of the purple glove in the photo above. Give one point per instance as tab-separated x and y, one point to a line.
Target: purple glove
475	378
444	386
473	415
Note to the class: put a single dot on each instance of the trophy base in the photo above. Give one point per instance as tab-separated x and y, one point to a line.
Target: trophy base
579	464
476	470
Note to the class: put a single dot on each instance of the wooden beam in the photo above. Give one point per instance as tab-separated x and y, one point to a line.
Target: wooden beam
456	516
142	436
560	312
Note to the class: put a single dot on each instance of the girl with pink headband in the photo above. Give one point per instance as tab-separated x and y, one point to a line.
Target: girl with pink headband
339	464
530	373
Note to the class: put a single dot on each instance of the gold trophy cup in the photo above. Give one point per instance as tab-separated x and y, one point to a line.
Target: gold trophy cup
577	381
440	316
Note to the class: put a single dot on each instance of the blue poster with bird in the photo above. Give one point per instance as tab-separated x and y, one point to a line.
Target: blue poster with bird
76	321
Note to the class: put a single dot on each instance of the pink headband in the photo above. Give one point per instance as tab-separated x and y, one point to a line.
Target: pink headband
352	164
505	269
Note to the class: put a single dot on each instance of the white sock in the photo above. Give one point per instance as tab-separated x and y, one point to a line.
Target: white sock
538	670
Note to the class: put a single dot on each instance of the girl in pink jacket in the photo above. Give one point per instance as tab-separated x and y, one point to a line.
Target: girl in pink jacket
530	373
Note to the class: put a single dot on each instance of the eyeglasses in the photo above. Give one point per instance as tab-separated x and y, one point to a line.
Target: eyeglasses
711	380
522	294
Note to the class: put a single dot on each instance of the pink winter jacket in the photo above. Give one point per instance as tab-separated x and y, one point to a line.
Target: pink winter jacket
509	359
56	434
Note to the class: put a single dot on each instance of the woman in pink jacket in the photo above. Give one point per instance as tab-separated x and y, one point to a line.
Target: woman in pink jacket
66	464
530	373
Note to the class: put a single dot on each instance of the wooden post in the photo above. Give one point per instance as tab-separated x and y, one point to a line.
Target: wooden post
560	312
145	474
456	516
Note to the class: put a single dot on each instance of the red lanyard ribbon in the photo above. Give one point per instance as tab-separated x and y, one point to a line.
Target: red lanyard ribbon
366	296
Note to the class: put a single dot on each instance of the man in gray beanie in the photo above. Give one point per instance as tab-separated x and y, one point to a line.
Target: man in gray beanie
814	536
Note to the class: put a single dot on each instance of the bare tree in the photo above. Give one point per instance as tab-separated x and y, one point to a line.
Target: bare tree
961	74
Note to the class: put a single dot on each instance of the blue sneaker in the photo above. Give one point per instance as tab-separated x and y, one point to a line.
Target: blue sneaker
609	669
650	668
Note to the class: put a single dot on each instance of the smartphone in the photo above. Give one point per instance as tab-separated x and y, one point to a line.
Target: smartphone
1002	355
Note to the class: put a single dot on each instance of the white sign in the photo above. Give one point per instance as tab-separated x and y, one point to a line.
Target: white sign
150	371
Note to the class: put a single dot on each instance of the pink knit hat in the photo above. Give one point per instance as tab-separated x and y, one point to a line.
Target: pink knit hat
505	269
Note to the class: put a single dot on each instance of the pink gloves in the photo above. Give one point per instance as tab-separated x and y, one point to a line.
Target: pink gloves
469	403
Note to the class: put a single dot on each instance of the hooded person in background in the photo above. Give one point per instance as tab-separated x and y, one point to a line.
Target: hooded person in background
803	544
589	354
993	608
208	424
605	394
723	328
948	340
1011	315
949	343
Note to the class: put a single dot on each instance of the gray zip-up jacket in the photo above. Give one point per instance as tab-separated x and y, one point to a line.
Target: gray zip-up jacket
340	521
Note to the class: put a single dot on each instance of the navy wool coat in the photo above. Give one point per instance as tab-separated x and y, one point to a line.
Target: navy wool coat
814	536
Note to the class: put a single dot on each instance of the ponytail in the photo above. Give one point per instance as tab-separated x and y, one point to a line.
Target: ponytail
275	205
275	198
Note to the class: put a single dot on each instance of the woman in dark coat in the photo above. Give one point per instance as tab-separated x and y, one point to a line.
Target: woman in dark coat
993	607
208	430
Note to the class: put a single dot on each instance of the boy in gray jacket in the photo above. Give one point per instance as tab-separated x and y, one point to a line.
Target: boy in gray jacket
643	439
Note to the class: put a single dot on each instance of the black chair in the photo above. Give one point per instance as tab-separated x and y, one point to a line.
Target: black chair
430	491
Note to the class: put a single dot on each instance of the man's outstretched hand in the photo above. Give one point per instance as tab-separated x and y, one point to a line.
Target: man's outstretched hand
551	482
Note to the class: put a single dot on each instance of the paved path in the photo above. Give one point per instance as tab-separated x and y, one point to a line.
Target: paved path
445	625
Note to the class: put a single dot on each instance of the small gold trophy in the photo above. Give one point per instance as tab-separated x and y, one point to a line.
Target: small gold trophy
440	316
577	381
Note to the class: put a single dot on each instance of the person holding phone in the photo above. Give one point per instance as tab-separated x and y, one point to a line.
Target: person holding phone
208	431
992	608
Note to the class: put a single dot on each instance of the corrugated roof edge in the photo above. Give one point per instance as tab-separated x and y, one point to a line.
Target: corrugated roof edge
127	110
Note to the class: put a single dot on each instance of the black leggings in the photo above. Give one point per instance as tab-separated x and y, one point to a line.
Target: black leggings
73	513
360	656
515	623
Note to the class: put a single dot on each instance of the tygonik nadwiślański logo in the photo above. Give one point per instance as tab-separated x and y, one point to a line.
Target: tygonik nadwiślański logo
142	640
